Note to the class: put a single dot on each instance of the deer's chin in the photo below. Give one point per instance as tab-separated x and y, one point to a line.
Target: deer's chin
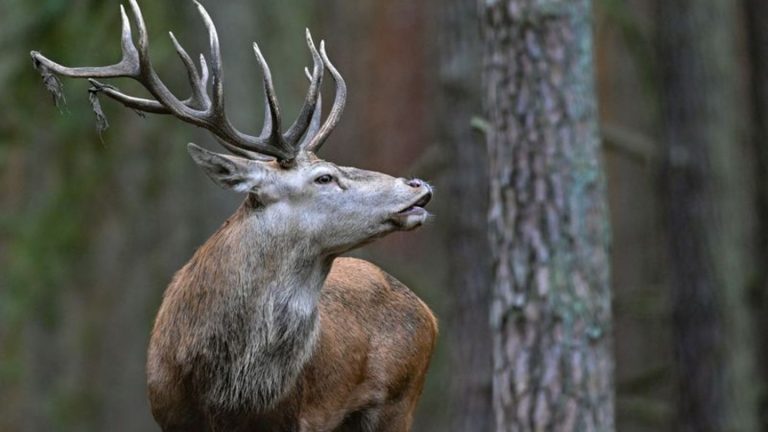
409	219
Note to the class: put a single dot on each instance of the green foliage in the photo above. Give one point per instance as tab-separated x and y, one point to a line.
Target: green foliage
44	234
60	174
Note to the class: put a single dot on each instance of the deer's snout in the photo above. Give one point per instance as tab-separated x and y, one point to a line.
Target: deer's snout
418	184
421	184
415	183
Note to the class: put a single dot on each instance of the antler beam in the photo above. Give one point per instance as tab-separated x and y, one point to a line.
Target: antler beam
207	111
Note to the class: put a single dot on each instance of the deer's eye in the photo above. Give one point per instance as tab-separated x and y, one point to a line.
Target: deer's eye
324	179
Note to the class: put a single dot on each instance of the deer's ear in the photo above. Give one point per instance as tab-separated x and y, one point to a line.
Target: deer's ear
229	172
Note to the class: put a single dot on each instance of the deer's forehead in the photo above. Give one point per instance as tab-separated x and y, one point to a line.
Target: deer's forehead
357	174
311	168
318	167
349	173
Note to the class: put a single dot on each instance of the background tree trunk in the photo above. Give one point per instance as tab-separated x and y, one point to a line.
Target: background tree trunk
550	313
627	91
757	27
708	184
468	334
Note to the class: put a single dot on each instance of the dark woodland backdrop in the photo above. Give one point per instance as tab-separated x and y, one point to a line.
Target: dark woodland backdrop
92	228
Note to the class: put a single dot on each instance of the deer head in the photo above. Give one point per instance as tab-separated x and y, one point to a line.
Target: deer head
288	186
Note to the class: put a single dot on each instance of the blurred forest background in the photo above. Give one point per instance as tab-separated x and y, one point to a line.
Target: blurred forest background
93	228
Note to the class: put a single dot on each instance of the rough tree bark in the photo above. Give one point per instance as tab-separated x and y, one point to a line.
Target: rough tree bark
465	230
550	313
709	196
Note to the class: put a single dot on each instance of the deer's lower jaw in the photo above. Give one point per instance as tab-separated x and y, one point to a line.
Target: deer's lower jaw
418	205
413	215
412	210
410	218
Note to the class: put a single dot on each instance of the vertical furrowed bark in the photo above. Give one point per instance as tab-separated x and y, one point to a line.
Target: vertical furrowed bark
550	313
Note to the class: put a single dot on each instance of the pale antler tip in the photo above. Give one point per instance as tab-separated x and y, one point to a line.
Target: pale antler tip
310	42
204	13
257	50
200	7
39	58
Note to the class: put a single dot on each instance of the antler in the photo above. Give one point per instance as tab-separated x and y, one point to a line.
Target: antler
316	140
207	111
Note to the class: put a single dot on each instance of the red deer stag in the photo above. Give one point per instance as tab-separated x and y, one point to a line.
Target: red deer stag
265	329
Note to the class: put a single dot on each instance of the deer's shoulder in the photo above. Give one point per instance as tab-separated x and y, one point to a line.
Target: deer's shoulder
375	332
375	297
353	279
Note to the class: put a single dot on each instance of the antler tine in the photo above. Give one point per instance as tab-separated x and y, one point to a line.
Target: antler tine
204	74
128	66
199	98
317	114
216	67
338	106
299	127
126	38
141	28
149	78
272	127
140	104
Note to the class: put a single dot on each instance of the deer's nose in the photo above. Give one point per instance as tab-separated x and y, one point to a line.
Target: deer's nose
414	183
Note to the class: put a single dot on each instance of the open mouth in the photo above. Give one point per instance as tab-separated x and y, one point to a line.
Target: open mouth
418	206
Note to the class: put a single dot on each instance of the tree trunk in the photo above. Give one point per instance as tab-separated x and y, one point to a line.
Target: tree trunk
550	312
708	188
466	182
757	28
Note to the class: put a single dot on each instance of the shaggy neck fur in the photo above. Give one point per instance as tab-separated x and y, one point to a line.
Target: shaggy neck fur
251	311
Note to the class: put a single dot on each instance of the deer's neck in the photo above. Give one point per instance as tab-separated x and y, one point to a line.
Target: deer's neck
260	284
